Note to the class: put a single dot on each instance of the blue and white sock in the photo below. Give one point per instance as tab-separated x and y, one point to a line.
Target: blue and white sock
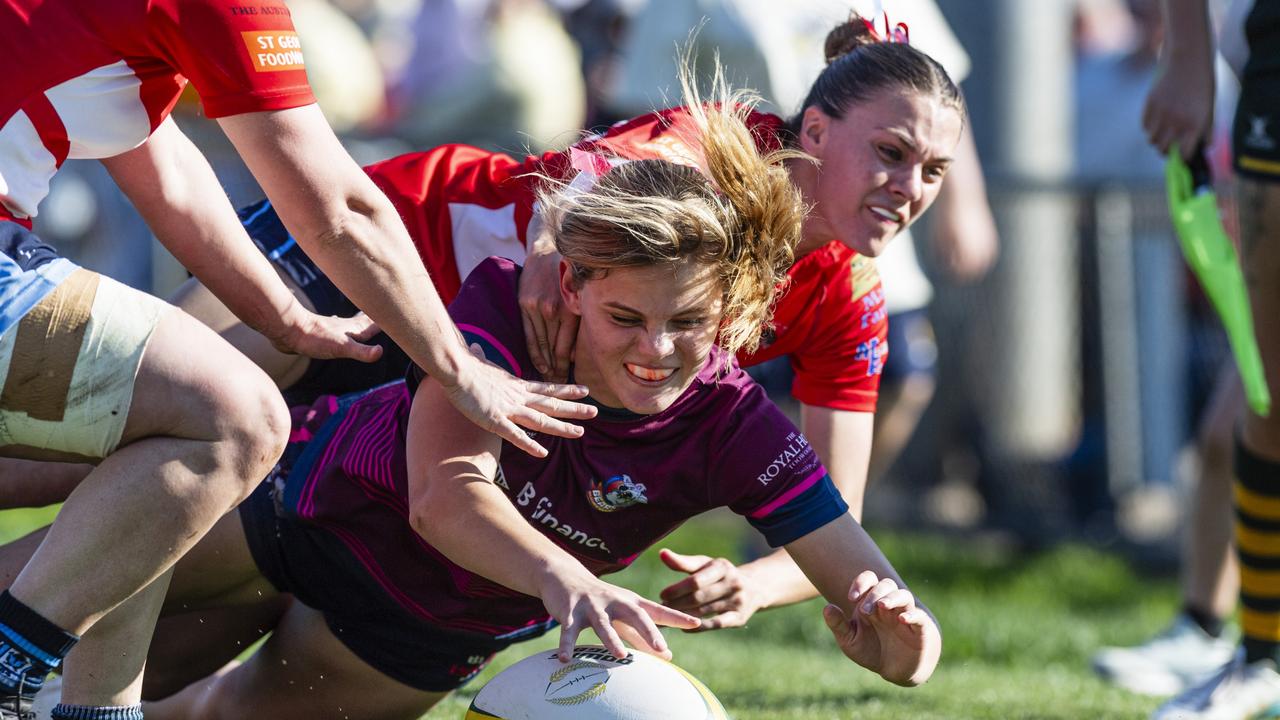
87	712
30	648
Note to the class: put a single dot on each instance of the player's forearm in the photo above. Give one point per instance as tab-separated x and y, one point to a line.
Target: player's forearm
467	517
176	192
369	256
1188	34
777	580
349	228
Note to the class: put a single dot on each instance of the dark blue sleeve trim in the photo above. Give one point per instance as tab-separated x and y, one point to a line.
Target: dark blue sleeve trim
803	514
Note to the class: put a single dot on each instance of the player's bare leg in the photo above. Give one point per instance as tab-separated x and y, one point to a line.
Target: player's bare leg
32	483
221	633
302	672
1211	575
204	426
1258	468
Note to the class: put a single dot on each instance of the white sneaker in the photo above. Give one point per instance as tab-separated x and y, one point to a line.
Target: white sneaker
1179	657
48	697
1238	691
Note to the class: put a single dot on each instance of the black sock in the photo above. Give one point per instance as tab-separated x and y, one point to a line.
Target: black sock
30	647
1211	624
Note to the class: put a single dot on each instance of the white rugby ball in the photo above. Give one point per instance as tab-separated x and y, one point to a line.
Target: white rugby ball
594	685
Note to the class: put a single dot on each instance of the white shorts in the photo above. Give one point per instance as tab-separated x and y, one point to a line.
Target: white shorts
67	369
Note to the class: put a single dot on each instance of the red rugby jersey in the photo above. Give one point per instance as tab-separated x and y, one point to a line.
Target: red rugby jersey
94	78
462	204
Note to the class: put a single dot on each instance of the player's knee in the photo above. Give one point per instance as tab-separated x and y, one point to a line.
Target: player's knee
256	430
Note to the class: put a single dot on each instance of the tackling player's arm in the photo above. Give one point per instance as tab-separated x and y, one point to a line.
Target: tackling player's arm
876	621
176	192
345	223
455	506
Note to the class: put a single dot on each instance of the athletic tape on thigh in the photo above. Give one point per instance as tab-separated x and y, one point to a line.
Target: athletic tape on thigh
46	348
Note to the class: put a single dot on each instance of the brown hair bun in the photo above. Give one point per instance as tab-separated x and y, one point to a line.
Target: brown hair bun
847	37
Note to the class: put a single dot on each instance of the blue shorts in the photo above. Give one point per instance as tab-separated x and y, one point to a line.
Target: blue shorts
320	571
323	377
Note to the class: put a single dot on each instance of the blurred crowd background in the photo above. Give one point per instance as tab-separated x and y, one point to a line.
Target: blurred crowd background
1054	380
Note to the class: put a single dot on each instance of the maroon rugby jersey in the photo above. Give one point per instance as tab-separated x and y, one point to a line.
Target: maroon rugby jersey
462	204
604	498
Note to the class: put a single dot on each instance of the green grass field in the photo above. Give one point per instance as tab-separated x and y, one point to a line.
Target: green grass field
1018	633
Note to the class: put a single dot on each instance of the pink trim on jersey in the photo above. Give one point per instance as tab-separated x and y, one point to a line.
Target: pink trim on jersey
370	451
301	434
506	354
307	498
790	495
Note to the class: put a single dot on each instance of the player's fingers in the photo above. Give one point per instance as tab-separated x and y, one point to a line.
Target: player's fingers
719	621
608	636
875	594
682	563
557	407
643	632
562	392
1188	141
862	583
894	604
508	431
839	625
539	422
363	352
362	327
562	350
568	638
531	341
915	618
663	615
717	609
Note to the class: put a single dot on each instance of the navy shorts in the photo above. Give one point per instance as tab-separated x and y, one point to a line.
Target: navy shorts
1256	130
322	574
912	349
323	377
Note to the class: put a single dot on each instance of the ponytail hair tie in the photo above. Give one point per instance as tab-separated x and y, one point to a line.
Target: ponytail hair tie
892	33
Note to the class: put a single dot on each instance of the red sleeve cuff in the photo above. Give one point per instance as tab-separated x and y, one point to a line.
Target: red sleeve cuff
227	106
861	398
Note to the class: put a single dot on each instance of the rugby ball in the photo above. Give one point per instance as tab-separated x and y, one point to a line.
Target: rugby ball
597	686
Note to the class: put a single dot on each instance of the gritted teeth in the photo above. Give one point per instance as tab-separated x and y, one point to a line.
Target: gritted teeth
651	374
887	214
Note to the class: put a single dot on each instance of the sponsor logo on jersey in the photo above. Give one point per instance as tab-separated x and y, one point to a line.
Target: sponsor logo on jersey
797	449
863	276
618	492
1258	137
274	50
543	514
872	352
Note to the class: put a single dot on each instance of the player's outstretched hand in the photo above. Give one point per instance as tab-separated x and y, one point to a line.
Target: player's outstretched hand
501	404
617	615
325	337
549	328
716	590
887	632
